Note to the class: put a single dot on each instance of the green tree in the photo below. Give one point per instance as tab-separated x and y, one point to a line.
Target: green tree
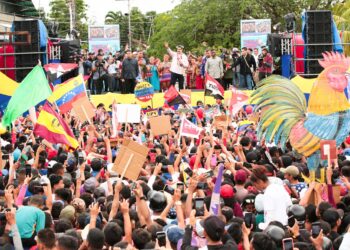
197	24
341	15
117	17
59	11
140	26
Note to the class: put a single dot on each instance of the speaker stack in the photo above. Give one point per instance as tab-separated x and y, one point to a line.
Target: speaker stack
70	49
274	44
70	53
31	54
318	31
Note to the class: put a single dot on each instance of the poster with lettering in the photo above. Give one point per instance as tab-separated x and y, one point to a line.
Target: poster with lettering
144	91
151	112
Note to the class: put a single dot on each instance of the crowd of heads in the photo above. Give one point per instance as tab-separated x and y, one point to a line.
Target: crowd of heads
57	198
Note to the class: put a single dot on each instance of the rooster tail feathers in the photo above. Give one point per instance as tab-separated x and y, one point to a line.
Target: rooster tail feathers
284	105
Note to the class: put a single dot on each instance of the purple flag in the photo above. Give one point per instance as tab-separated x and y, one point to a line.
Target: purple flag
215	197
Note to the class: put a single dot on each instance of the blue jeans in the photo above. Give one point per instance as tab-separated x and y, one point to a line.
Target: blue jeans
235	79
245	81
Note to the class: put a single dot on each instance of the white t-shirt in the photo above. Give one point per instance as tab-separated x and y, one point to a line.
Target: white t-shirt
276	201
176	62
112	68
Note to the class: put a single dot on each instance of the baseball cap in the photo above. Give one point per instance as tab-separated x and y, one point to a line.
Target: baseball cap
90	185
227	191
179	46
174	233
275	232
292	170
51	154
252	157
241	176
214	227
235	50
68	213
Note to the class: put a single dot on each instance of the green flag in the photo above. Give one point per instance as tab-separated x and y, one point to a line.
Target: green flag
32	90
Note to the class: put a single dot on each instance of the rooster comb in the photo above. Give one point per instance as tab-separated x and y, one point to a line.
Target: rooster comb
334	58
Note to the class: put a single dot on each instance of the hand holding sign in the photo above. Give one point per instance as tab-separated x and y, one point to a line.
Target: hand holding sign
328	150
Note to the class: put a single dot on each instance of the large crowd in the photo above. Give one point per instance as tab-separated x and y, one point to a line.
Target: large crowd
119	72
53	198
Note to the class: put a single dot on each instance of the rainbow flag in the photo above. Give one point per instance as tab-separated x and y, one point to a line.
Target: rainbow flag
65	94
53	128
7	88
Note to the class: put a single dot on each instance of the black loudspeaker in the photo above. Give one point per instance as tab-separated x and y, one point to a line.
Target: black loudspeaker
274	44
26	55
318	31
69	50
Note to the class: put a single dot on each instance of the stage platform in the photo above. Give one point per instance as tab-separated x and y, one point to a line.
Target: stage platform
305	85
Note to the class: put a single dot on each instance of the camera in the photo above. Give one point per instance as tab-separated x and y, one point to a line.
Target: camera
100	63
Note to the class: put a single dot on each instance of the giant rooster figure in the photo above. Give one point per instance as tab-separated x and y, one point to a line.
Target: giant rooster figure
286	116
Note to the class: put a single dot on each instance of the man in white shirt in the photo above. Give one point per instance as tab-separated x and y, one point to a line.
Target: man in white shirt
214	66
178	65
276	199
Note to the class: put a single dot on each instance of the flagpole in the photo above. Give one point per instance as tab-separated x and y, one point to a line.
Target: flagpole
55	103
86	116
181	126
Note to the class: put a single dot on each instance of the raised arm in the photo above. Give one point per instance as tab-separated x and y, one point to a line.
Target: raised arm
115	204
124	208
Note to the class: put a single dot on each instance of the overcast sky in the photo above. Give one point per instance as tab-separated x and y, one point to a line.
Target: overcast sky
97	9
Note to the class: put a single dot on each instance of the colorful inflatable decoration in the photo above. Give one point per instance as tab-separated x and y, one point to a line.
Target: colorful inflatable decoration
288	117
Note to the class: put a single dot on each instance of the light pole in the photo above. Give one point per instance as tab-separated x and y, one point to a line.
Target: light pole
129	21
71	8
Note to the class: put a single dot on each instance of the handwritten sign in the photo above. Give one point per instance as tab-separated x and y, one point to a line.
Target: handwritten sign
151	112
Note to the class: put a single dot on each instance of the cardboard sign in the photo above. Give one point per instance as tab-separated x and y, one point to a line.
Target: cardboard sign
83	109
130	159
186	95
336	193
221	122
328	147
314	197
128	113
160	125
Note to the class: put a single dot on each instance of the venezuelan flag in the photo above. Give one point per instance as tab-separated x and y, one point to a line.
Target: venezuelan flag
7	88
67	93
53	128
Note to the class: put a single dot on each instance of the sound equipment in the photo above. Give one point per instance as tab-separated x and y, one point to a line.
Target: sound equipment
274	44
70	50
26	55
318	32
